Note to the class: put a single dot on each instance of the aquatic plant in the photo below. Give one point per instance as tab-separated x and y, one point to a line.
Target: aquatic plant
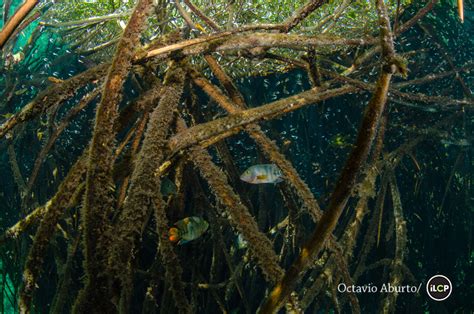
175	86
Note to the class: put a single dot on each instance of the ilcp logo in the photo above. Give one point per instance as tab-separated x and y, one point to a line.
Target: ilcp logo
439	287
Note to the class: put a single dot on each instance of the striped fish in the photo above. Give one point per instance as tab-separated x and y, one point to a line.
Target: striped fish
187	229
263	173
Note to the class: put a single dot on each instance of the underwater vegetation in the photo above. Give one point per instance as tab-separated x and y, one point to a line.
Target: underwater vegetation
236	156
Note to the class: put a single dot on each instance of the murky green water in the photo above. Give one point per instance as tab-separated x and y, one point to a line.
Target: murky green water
434	179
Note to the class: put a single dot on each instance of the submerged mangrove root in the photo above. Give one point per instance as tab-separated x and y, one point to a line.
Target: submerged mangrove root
371	233
56	133
396	266
348	240
302	13
17	176
22	225
144	196
64	287
45	231
226	41
99	199
134	148
341	255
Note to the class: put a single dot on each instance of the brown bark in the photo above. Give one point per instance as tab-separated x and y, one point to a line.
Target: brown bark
99	198
15	20
302	13
231	41
52	213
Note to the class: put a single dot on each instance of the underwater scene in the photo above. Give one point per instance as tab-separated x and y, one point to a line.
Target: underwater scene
236	156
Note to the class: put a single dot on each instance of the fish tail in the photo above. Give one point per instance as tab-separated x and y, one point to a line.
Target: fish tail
279	179
174	235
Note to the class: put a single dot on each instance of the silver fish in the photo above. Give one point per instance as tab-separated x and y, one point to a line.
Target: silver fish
241	243
262	173
459	142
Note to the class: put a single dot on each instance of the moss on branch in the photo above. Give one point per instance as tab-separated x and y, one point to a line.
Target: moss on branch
226	41
99	199
144	195
302	13
233	123
52	212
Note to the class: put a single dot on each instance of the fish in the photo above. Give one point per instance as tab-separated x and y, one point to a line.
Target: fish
240	242
187	229
55	80
262	173
39	134
17	57
168	187
339	140
459	142
199	27
122	24
7	115
21	91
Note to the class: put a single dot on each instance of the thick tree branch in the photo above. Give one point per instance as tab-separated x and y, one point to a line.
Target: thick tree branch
230	41
15	20
52	212
210	132
99	199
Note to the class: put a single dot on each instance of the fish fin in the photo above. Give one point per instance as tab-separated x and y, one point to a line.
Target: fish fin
182	241
181	224
261	177
280	179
